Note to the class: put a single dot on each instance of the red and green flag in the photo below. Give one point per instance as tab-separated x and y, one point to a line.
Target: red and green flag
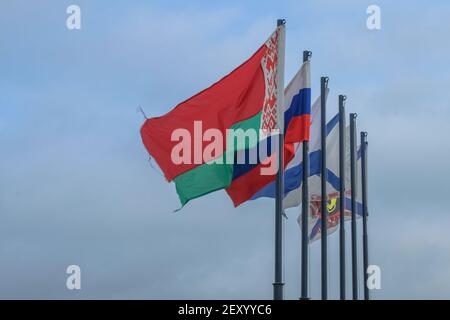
192	144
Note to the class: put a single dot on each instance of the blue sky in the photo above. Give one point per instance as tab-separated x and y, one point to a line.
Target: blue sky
76	186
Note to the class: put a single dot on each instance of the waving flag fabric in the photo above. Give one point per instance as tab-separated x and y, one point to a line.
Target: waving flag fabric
297	110
294	169
244	99
333	212
333	185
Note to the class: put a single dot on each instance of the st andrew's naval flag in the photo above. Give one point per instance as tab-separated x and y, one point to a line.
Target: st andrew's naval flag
294	172
244	99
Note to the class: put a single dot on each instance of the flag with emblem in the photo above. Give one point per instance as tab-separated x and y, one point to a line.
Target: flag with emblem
333	184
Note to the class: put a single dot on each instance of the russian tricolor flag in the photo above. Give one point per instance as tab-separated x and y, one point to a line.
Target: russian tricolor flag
294	169
247	178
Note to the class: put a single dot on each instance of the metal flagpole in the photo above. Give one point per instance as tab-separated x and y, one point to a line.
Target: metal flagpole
342	136
353	195
324	211
278	283
305	208
364	145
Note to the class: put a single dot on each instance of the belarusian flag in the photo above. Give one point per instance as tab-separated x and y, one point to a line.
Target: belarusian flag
191	143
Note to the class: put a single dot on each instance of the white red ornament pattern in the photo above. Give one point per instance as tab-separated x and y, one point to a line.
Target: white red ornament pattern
269	66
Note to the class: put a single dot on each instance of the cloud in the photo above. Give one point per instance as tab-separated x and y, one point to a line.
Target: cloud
77	188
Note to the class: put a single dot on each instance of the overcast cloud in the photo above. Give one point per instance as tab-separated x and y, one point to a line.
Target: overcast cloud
76	186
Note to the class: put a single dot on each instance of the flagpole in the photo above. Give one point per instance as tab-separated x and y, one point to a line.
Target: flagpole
324	211
364	146
353	200
305	208
278	283
342	136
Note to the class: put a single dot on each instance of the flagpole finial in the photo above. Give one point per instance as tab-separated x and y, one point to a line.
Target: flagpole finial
342	99
325	81
281	22
306	55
